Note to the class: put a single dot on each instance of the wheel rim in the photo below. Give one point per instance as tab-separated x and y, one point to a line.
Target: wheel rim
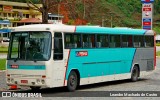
135	72
73	81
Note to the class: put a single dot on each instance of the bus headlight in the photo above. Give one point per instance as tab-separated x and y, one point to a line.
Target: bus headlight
38	81
8	80
42	81
12	80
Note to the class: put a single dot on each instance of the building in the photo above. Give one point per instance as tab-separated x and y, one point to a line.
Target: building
55	19
17	14
14	14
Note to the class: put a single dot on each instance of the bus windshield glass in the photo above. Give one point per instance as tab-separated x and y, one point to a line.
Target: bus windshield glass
30	46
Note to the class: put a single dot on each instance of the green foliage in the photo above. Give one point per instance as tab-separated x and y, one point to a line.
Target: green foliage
128	7
157	29
3	49
70	22
126	13
130	22
2	64
158	53
157	44
1	18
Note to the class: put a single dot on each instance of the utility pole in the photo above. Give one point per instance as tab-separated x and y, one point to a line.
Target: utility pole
59	9
84	9
103	20
111	19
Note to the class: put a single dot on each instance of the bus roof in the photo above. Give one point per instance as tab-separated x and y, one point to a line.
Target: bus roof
46	27
82	29
107	30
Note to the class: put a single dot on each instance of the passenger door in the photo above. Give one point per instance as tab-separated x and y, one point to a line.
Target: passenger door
58	57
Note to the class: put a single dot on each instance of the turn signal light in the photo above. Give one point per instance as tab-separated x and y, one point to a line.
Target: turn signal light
43	76
8	75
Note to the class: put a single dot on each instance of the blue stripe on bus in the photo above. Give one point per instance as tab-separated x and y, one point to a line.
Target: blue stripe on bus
28	67
101	61
104	30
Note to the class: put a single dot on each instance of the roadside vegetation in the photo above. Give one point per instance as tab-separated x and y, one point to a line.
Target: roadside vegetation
157	44
3	49
158	53
2	64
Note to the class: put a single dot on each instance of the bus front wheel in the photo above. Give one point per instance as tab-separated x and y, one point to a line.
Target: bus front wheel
72	81
135	74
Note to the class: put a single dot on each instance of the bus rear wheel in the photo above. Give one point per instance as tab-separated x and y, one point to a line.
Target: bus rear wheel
135	74
72	81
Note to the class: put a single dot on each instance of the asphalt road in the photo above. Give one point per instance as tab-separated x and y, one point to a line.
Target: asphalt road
3	56
147	83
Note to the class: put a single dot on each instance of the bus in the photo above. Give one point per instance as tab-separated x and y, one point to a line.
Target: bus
48	56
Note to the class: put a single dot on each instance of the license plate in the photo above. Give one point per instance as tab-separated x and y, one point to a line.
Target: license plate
14	66
24	81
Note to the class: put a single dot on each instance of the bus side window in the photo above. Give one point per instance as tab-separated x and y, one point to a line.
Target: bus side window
149	41
114	41
76	41
68	41
58	46
127	41
102	41
88	40
72	41
138	41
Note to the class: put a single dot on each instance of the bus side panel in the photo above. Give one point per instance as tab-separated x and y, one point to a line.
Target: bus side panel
101	62
144	57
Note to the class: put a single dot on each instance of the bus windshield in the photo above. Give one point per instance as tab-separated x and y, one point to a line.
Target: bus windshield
30	46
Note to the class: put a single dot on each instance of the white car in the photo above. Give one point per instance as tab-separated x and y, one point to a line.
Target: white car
5	39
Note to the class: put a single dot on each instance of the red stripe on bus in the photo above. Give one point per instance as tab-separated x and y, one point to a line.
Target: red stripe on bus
66	68
75	29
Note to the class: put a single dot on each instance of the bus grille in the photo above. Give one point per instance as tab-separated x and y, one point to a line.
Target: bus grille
20	75
150	65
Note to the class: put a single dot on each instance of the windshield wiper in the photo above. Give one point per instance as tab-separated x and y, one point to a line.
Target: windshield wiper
15	59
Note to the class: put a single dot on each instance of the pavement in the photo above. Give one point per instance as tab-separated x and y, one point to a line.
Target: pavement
3	55
157	48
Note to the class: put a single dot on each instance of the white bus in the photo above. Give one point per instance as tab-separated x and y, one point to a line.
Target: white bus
47	55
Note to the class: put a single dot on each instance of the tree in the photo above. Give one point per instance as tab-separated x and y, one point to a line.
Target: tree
46	6
23	1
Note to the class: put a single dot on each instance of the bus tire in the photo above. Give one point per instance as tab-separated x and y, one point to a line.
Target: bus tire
135	73
72	81
33	88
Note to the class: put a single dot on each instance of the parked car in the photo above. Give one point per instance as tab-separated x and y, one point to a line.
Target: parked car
5	39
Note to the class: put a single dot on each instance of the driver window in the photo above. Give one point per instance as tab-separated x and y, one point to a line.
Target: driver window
58	46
